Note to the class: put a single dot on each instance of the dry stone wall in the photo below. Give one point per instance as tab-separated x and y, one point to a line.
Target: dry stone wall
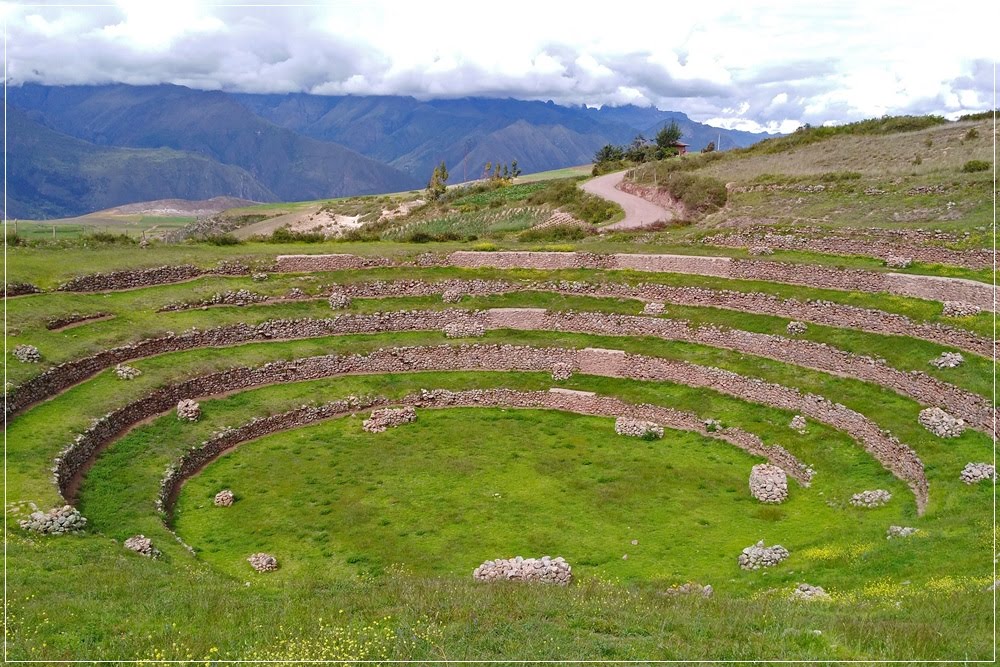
545	570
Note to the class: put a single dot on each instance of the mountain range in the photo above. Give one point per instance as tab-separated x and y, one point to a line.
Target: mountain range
75	149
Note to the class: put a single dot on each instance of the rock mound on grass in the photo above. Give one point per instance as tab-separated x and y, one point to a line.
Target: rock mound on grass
142	545
758	556
27	354
798	424
636	428
653	308
690	588
263	562
899	531
385	418
948	360
451	296
796	328
561	371
959	309
545	570
339	301
57	521
808	593
188	410
973	473
768	483
871	499
940	423
224	498
123	372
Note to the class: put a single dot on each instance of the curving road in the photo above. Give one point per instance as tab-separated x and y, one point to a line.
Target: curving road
638	212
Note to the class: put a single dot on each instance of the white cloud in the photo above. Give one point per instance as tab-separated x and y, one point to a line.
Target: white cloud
770	65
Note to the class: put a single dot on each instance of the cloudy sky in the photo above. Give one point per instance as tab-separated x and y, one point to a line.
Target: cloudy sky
741	64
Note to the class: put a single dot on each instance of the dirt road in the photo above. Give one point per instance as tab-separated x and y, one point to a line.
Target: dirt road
638	211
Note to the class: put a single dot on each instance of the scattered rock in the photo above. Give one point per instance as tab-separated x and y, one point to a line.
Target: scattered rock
808	592
940	423
690	588
637	428
798	423
263	562
899	531
546	570
384	418
948	360
27	354
142	545
870	499
758	556
123	372
959	309
796	328
973	473
561	371
57	521
188	410
653	308
768	483
339	301
224	498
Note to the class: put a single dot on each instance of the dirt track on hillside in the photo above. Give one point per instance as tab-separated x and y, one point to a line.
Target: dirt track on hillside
638	212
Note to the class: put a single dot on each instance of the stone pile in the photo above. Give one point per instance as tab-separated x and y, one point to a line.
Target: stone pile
712	425
653	308
808	593
959	309
796	328
690	588
546	570
638	428
263	562
258	277
897	262
899	531
973	473
142	545
948	360
798	424
18	289
384	418
57	521
339	301
758	556
123	372
464	329
940	423
188	410
296	293
224	498
760	250
561	371
451	296
871	499
768	483
27	354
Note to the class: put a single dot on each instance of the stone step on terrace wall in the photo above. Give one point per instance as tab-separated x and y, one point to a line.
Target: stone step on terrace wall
923	388
896	457
587	403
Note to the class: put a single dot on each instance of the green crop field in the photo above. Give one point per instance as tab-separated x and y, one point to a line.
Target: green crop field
376	535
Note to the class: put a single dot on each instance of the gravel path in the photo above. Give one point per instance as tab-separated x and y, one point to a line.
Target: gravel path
638	212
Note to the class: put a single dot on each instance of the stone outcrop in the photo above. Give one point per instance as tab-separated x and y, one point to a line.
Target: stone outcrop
940	423
263	562
386	418
948	360
973	473
758	556
871	499
27	354
57	521
142	545
899	531
188	410
545	570
808	593
224	498
768	483
123	372
636	428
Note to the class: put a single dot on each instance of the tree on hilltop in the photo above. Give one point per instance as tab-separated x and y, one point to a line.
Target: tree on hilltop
668	135
438	183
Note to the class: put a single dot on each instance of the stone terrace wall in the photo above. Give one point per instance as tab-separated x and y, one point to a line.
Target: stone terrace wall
196	459
133	278
338	262
921	387
893	455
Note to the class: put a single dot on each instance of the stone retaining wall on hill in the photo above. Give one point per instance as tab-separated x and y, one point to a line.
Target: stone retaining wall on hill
605	406
923	388
893	455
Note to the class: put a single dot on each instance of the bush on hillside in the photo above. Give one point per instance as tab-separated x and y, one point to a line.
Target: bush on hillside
286	235
222	240
807	134
976	165
982	115
699	194
107	238
554	233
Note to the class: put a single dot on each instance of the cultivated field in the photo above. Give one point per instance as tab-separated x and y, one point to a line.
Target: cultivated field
603	398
